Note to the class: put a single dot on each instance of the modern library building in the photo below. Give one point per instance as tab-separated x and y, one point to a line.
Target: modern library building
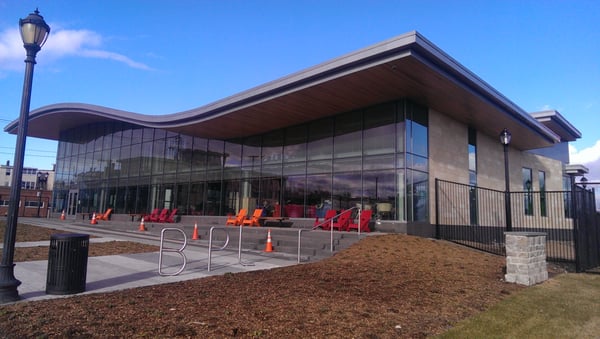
370	129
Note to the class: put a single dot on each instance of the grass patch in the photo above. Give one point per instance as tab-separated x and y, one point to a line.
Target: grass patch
566	306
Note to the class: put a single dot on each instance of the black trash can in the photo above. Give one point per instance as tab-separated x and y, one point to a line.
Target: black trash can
67	263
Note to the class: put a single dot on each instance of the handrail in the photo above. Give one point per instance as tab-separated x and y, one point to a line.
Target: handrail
210	243
179	251
335	216
330	228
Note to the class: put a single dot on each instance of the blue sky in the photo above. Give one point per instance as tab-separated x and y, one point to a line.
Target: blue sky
160	57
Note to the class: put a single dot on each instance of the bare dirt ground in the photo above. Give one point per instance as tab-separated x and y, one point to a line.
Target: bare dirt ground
389	286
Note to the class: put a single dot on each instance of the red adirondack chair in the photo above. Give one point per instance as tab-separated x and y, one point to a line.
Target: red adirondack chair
343	221
170	218
162	215
326	223
363	223
153	215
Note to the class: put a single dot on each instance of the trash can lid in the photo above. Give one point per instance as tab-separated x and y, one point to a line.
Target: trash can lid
59	236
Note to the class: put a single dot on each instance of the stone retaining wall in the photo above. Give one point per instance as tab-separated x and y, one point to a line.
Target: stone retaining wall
526	258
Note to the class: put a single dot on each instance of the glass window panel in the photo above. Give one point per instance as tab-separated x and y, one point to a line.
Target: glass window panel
380	115
294	168
80	169
380	162
158	156
378	186
146	158
108	138
115	161
196	198
472	158
419	139
270	189
380	140
295	144
401	136
348	135
199	154
348	145
318	193
125	160
89	146
74	148
126	137
159	134
184	154
231	173
272	147
416	162
234	154
271	170
416	195
251	151
347	190
116	138
294	190
320	142
347	164
136	136
198	176
98	144
320	166
472	178
62	148
145	134
216	154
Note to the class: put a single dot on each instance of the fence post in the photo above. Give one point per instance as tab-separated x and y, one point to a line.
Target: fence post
437	209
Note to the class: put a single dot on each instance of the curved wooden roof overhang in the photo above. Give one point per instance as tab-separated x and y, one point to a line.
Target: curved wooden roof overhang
408	66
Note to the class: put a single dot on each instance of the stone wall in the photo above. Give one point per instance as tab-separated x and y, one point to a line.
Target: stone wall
526	258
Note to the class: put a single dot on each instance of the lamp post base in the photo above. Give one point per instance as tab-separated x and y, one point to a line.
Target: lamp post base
8	284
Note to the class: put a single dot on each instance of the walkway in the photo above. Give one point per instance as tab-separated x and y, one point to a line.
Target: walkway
117	272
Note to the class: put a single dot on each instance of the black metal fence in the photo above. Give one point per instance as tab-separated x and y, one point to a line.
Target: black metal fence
476	217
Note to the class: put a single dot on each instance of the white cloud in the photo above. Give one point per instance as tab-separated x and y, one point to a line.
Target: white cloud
586	155
60	44
12	53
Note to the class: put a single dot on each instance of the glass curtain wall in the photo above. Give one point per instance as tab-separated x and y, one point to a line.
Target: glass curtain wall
375	158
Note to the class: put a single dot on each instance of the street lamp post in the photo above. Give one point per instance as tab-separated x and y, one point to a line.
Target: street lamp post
505	137
39	195
34	32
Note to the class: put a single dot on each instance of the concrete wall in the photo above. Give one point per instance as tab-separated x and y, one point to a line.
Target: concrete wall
448	160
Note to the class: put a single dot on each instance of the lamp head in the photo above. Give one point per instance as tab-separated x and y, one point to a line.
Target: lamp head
583	181
505	137
34	31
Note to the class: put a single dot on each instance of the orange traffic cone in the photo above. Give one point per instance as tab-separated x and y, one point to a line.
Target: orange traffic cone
269	246
142	226
93	222
62	216
195	235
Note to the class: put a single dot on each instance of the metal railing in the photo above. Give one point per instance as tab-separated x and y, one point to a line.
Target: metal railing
331	223
475	217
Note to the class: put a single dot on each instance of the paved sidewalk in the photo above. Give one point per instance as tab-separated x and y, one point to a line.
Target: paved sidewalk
117	272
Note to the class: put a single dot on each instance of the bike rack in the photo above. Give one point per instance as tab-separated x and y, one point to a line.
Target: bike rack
176	250
210	238
240	251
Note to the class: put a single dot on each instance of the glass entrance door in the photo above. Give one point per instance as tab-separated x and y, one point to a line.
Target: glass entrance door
72	202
